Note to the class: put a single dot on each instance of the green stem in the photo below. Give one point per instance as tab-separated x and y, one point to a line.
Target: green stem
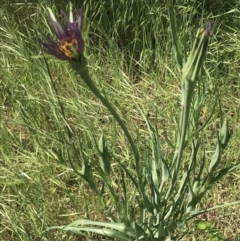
191	72
187	91
81	69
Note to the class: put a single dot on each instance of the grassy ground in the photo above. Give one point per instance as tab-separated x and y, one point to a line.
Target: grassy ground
128	45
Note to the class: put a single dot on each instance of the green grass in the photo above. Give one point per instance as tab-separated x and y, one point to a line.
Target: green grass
129	50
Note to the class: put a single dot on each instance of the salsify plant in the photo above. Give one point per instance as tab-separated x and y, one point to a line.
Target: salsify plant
165	196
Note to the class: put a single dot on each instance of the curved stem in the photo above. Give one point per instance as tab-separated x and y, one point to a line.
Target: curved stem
81	69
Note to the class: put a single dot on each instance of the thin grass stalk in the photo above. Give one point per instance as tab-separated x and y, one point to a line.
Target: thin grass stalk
177	52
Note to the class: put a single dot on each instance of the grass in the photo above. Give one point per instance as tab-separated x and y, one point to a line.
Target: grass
129	49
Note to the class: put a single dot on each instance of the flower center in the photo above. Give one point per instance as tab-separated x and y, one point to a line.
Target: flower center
69	47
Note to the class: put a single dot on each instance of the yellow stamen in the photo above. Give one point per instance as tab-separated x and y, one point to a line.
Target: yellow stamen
69	47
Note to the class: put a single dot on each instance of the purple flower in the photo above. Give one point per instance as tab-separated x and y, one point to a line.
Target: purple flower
69	43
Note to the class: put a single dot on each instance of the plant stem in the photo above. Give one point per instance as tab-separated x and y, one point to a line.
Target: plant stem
83	72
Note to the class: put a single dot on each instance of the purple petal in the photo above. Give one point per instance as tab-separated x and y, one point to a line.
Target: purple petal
69	41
